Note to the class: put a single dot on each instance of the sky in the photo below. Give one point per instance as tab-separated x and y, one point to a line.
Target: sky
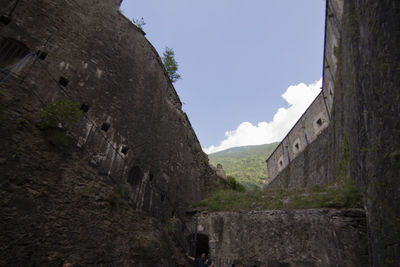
249	68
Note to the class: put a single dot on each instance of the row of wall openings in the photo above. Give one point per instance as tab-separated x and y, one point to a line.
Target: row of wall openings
12	51
296	146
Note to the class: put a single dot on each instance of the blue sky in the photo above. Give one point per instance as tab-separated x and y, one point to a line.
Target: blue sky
238	61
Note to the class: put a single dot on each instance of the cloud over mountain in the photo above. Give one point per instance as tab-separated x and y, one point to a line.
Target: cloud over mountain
298	97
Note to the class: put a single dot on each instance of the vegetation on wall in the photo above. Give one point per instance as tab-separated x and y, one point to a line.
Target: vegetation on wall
338	195
246	164
366	109
53	119
58	114
170	64
139	23
343	164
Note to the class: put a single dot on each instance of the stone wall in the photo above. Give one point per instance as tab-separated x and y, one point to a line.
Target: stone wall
319	237
316	118
113	69
308	168
79	191
361	68
365	129
305	131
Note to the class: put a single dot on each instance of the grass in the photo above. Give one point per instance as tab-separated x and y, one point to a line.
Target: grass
319	196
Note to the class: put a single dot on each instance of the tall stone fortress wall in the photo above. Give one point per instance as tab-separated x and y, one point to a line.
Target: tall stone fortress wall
86	188
301	159
112	68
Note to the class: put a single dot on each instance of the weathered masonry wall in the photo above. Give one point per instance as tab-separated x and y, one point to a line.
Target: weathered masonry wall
308	168
365	122
114	70
318	237
316	119
306	131
84	192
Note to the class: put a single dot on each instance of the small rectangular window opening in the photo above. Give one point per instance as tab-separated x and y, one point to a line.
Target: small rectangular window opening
84	108
63	81
125	150
5	19
105	126
41	55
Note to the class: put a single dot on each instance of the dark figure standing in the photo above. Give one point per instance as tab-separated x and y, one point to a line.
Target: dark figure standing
202	261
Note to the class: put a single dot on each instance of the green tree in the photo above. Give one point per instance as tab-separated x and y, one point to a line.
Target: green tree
170	64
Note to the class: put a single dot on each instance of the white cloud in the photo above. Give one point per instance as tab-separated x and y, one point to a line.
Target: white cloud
299	97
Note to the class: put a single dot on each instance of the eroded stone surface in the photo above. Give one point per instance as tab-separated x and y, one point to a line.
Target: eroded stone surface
82	198
316	237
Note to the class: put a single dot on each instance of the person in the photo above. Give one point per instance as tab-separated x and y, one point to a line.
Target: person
202	261
67	264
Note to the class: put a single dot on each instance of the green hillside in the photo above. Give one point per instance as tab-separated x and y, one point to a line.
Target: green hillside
246	163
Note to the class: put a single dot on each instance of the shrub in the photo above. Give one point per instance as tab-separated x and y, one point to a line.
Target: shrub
351	194
139	23
234	184
59	113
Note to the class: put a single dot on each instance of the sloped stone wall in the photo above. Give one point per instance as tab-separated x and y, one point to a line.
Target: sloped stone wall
113	69
80	192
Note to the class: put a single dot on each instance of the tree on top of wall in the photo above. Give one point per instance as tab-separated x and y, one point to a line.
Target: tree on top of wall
170	64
